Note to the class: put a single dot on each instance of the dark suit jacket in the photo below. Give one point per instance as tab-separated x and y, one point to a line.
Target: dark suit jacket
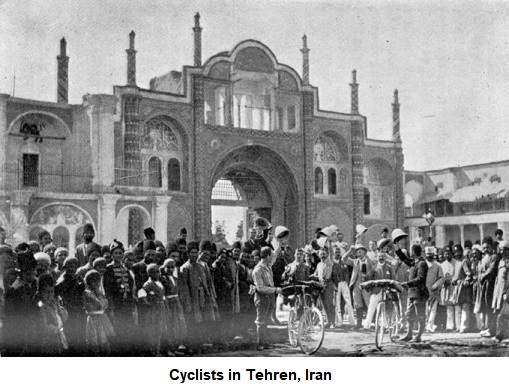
417	278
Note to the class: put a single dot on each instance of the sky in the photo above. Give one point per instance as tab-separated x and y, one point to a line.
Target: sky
448	59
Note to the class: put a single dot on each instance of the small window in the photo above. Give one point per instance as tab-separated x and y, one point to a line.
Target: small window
173	174
318	180
280	118
154	173
331	180
31	170
291	117
367	199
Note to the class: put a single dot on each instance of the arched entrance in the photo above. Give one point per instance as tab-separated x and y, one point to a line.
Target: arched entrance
254	181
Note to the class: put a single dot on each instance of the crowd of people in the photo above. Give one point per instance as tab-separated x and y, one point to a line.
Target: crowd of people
179	298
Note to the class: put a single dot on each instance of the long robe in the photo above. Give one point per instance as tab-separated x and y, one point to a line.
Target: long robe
196	297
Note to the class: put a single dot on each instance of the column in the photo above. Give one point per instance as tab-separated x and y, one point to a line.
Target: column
131	61
462	234
160	217
439	236
107	218
3	135
101	111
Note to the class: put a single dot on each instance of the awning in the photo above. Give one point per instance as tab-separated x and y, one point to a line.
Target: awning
472	193
432	197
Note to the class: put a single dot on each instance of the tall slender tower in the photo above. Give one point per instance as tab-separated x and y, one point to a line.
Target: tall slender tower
197	40
131	61
305	60
354	93
63	74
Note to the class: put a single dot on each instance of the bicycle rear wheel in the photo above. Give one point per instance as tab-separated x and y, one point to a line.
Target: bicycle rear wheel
394	322
380	324
311	330
293	327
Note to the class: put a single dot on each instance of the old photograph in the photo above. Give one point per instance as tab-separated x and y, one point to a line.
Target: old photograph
275	178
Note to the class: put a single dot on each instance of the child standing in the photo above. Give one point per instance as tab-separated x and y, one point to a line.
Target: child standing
156	319
52	316
177	329
99	327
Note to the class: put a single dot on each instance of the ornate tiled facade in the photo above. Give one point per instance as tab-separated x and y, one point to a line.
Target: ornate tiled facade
151	157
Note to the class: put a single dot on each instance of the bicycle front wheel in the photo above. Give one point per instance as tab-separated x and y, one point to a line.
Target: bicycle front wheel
293	327
311	330
380	324
394	322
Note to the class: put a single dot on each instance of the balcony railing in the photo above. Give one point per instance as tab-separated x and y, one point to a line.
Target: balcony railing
443	208
66	179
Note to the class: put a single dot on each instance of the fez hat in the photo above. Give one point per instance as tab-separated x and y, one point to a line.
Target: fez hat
148	231
237	245
183	231
205	245
88	227
193	245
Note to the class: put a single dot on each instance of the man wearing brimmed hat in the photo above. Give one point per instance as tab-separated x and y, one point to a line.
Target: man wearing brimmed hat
382	270
361	266
417	290
284	256
265	295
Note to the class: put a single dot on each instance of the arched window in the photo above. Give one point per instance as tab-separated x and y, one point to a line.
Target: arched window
367	199
61	237
318	180
154	172
134	226
173	174
331	180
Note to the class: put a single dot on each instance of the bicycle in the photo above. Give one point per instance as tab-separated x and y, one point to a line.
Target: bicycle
388	310
306	326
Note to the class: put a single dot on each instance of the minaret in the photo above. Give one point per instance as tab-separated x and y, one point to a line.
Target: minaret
396	137
305	60
354	93
63	74
131	61
197	40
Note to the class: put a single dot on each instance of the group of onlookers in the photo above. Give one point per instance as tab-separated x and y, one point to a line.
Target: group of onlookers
178	298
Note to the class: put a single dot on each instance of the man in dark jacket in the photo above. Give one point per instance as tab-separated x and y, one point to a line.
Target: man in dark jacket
417	292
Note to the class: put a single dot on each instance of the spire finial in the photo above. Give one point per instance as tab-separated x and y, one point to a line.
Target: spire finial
305	60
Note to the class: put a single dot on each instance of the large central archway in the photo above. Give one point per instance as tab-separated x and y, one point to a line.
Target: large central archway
254	181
